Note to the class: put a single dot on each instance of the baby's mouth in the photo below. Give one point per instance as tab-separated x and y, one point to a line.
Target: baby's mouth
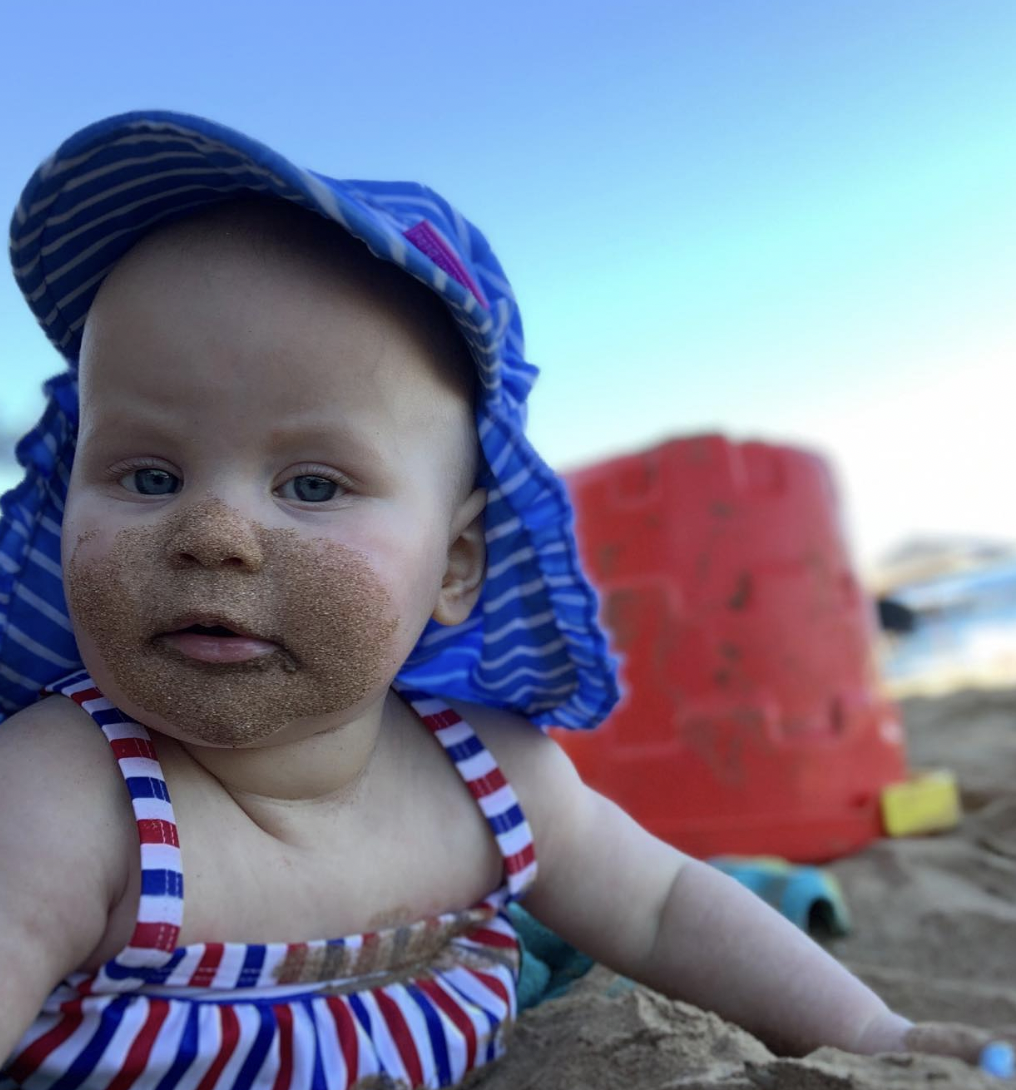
215	640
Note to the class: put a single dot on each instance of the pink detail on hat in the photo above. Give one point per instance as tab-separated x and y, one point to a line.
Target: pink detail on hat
429	241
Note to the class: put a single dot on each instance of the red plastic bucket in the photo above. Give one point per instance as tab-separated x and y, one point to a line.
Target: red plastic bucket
753	721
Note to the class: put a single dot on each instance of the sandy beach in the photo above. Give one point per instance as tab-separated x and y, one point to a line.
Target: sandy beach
934	932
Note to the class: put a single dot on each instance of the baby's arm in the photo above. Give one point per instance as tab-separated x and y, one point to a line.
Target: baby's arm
676	924
63	853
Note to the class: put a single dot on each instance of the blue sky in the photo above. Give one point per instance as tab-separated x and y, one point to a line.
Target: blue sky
793	220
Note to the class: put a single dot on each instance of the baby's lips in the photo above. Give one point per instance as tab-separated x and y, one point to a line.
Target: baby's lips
214	648
209	620
214	637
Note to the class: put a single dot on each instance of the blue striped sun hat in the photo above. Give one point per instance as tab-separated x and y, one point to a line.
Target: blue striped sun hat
532	643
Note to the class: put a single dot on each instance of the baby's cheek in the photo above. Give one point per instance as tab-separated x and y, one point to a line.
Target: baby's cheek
107	578
341	621
105	584
377	594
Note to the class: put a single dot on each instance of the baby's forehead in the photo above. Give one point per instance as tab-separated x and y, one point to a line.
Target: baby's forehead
267	232
285	241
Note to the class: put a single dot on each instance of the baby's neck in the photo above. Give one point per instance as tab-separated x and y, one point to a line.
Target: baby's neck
320	772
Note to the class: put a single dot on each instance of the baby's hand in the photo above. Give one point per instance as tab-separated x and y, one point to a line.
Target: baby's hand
993	1052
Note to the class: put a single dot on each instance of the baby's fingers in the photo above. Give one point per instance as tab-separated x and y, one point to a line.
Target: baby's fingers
967	1042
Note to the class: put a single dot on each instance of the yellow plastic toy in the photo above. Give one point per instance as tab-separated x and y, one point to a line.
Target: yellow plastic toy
929	802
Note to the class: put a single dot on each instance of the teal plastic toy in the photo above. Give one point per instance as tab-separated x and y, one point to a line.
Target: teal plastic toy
808	896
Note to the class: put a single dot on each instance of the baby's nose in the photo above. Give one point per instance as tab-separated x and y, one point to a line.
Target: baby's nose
212	534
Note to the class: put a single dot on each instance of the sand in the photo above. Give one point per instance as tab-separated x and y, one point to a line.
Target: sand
934	933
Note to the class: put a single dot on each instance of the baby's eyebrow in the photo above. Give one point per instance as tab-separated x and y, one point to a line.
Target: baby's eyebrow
327	435
309	438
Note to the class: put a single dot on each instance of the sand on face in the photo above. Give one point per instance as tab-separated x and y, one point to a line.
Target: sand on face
934	934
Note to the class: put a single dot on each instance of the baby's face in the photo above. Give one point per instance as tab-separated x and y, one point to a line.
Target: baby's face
267	481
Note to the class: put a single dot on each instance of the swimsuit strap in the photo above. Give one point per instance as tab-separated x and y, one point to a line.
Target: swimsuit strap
160	909
486	783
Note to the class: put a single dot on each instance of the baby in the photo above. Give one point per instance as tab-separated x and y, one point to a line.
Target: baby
319	590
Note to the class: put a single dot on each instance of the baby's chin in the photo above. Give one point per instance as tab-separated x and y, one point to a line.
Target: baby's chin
266	701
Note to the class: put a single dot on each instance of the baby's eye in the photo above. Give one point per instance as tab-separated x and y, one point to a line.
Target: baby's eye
151	481
309	488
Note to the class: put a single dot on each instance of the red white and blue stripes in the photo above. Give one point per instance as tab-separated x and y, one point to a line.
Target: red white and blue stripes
160	909
486	784
283	1016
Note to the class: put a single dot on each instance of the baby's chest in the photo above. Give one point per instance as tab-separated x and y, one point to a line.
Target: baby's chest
251	888
364	868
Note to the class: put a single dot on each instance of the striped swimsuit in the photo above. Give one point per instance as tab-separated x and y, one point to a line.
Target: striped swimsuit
419	1005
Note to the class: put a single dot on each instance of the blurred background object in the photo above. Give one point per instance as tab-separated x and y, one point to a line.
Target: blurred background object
948	610
753	720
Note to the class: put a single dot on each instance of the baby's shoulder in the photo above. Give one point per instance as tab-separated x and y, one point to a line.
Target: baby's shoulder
54	738
538	769
65	829
60	784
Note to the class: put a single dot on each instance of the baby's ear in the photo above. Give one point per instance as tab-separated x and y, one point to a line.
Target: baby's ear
467	562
